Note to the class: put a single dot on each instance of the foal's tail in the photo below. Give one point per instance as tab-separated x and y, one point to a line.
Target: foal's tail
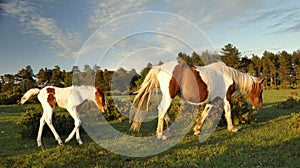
142	99
29	93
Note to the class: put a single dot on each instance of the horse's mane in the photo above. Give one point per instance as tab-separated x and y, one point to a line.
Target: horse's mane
243	81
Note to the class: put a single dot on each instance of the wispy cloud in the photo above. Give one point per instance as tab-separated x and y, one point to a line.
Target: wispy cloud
207	13
28	15
280	19
108	10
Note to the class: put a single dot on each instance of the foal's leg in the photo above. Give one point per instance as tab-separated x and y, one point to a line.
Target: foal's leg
204	114
42	123
73	112
48	118
228	117
162	109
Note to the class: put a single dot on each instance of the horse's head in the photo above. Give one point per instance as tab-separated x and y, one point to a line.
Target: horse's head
255	94
100	100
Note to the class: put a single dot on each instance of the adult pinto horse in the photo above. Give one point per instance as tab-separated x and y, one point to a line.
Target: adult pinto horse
69	98
196	85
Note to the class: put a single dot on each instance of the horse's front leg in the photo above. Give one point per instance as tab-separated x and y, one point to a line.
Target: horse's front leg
77	123
228	117
48	119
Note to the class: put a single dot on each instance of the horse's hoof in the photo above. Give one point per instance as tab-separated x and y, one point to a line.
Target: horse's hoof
161	136
233	130
197	133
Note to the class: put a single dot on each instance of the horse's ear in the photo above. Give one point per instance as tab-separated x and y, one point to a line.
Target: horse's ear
261	80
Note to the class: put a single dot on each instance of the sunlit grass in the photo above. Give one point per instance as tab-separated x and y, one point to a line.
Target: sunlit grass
269	142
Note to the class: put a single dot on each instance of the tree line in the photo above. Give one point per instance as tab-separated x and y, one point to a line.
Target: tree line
280	70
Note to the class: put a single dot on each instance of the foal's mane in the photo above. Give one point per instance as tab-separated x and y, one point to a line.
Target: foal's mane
244	82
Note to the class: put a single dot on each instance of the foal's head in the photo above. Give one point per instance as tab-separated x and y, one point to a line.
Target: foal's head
255	94
100	99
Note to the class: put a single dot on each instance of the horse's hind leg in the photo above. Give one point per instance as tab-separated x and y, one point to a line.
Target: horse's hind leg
39	137
162	109
169	123
199	124
48	119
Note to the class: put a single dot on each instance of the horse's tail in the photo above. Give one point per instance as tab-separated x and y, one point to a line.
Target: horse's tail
29	93
142	99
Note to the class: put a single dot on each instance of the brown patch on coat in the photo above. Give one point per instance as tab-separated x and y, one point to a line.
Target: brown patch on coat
51	97
187	82
51	100
51	90
230	91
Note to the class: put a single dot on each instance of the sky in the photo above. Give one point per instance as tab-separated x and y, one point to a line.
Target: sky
129	34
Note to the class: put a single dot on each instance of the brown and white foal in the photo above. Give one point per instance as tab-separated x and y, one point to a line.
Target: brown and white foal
68	98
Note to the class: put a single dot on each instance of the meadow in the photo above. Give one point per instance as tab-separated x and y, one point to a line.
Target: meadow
268	142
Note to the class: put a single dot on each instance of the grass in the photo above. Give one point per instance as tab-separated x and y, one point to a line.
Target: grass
269	142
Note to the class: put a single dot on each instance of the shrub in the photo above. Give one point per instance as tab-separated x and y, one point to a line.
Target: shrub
241	112
291	101
294	122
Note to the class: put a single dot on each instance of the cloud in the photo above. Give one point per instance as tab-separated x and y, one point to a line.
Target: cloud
105	11
27	14
281	19
207	13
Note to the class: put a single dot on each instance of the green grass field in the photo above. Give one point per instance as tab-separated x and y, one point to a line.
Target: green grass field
269	142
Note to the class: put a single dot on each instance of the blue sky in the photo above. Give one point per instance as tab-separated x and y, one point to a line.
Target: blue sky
113	34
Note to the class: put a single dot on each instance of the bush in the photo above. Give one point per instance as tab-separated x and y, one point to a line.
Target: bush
241	112
291	101
30	122
294	122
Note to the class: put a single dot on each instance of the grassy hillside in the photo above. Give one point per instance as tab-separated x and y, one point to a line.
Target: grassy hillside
269	142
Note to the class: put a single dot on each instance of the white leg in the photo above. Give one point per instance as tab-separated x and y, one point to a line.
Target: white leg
169	123
77	123
48	119
39	137
78	137
204	114
228	117
162	110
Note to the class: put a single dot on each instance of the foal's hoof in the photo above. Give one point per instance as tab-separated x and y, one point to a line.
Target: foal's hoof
80	142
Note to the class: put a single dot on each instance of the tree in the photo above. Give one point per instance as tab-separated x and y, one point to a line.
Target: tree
196	59
56	77
285	69
256	65
143	74
26	79
185	58
230	55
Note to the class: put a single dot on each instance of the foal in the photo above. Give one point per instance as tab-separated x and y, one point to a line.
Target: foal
68	98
